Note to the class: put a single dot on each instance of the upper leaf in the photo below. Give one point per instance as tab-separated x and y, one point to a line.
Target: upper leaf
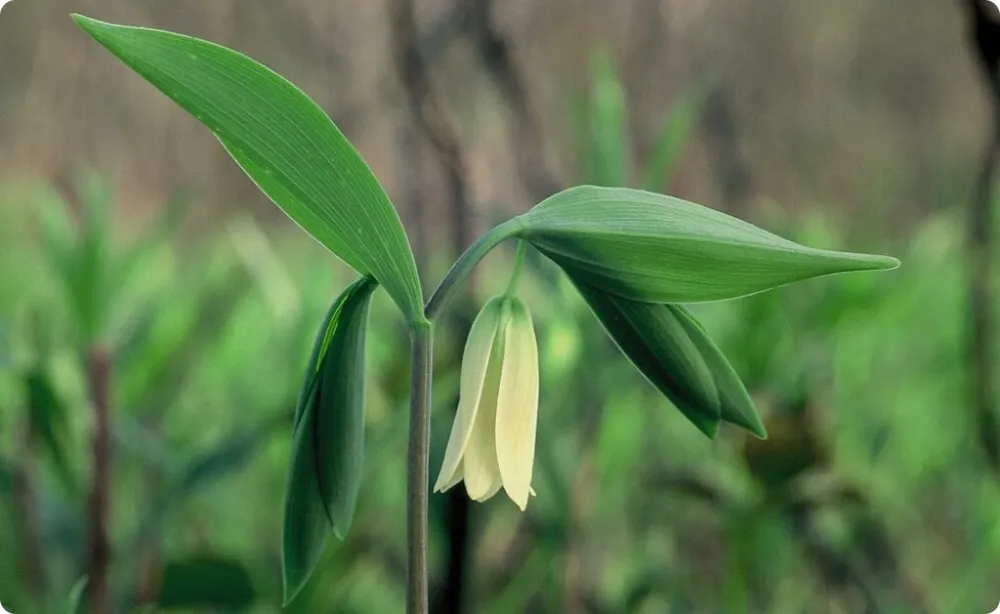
653	248
284	142
324	474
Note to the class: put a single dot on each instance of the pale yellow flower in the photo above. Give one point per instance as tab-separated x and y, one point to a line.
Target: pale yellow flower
492	443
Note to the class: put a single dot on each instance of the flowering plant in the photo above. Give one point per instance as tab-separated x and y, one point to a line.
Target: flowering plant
634	256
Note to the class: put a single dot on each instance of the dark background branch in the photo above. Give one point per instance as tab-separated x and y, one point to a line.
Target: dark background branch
429	114
981	243
99	376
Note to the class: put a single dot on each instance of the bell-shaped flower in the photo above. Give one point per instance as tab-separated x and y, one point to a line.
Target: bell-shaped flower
492	443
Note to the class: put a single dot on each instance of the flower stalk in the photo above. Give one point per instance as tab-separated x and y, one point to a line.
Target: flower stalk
464	265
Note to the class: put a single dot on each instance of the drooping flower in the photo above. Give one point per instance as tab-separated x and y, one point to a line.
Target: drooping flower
492	442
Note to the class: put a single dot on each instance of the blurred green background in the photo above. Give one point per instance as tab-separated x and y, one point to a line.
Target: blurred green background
134	253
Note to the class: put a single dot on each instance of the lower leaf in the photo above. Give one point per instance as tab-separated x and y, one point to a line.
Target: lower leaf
324	474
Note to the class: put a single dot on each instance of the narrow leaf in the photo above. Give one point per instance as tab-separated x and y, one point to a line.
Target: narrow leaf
284	142
656	342
670	141
736	406
653	248
325	469
76	596
607	113
50	422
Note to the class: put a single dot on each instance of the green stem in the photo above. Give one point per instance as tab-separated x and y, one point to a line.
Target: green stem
515	276
461	269
422	344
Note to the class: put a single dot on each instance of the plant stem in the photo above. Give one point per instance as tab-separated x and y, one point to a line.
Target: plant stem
515	276
26	513
460	270
99	376
422	343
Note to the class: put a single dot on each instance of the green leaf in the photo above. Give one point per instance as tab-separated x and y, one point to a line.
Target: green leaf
49	422
656	341
325	469
284	142
672	137
671	349
76	596
238	449
94	254
736	406
607	112
653	248
157	236
206	582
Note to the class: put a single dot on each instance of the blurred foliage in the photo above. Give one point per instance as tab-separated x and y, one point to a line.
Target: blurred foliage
868	497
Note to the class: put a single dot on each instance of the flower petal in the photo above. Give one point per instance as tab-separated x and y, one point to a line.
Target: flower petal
455	479
475	359
479	462
494	489
517	405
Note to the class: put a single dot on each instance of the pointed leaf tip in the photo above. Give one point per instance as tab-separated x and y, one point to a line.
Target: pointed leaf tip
674	353
736	405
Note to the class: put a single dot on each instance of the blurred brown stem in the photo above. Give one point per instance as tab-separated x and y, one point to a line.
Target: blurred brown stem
982	307
982	311
429	114
724	143
525	135
984	33
99	380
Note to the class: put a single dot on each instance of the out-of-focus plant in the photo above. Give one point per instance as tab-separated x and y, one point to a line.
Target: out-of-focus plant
604	148
156	356
635	256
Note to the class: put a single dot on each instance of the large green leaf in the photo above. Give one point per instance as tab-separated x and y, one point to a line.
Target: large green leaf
325	469
653	248
286	144
674	353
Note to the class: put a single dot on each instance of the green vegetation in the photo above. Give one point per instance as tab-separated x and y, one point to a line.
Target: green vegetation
868	495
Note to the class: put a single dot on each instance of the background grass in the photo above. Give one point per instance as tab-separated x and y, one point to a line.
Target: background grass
870	495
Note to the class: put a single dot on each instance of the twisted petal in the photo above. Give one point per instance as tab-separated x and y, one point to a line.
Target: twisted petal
517	405
475	359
